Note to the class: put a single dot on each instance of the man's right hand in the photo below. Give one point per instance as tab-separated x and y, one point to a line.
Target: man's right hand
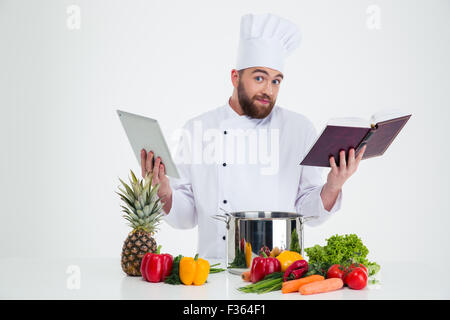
159	176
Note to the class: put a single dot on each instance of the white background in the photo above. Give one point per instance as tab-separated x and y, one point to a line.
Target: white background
63	148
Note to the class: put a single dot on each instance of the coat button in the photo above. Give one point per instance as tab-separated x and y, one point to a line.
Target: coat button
225	132
224	164
224	237
225	201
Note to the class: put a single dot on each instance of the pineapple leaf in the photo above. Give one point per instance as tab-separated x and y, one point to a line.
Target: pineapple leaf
127	201
123	195
154	192
134	216
126	194
123	191
159	208
137	205
141	201
150	188
132	208
148	178
154	219
125	209
155	205
128	211
147	185
136	188
145	197
127	218
135	191
129	190
135	180
134	225
141	205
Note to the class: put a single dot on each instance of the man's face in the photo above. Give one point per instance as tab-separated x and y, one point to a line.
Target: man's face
257	90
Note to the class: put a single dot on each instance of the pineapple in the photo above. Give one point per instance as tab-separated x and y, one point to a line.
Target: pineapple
143	211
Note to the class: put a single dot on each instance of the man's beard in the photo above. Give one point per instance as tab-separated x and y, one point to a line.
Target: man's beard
248	104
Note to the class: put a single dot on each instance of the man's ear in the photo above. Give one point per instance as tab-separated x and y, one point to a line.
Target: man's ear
235	78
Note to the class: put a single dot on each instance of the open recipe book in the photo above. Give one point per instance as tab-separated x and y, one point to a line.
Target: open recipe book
345	133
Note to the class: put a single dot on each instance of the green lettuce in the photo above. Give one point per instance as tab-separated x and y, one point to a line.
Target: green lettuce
340	249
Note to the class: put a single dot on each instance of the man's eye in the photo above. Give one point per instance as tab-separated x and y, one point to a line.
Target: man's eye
258	78
276	81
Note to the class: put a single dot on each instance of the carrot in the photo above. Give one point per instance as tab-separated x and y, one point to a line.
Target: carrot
294	285
322	286
246	276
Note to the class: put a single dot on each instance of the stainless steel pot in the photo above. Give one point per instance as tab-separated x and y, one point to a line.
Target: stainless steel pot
249	231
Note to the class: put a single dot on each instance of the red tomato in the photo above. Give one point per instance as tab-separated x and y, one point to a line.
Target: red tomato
356	279
336	271
359	265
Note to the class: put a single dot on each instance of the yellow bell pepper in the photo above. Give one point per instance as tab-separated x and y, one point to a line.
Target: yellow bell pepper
287	257
248	254
193	270
275	252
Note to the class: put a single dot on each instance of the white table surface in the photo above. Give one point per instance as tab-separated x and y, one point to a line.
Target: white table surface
103	278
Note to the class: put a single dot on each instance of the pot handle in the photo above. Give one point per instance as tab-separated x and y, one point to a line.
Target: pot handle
220	217
226	217
302	221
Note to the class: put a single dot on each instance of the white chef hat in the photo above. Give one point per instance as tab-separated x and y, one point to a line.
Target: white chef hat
265	41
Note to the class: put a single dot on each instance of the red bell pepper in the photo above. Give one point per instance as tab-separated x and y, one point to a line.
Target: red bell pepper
262	266
155	267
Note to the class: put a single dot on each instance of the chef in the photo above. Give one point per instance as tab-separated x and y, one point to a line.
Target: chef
245	155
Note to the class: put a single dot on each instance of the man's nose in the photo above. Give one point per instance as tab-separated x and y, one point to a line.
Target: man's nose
268	89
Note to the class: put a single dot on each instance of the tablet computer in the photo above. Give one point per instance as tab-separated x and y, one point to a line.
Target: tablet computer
145	133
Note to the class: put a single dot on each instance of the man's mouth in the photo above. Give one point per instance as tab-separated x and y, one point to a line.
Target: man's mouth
263	101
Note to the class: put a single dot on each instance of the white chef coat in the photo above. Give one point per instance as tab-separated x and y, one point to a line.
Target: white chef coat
205	186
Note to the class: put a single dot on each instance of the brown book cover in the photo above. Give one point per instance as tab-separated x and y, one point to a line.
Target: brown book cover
334	138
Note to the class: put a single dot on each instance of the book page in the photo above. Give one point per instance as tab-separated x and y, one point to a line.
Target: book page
387	114
349	122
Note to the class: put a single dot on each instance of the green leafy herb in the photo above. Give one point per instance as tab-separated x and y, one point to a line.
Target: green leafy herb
174	277
215	270
239	260
372	268
271	282
340	249
316	268
295	244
